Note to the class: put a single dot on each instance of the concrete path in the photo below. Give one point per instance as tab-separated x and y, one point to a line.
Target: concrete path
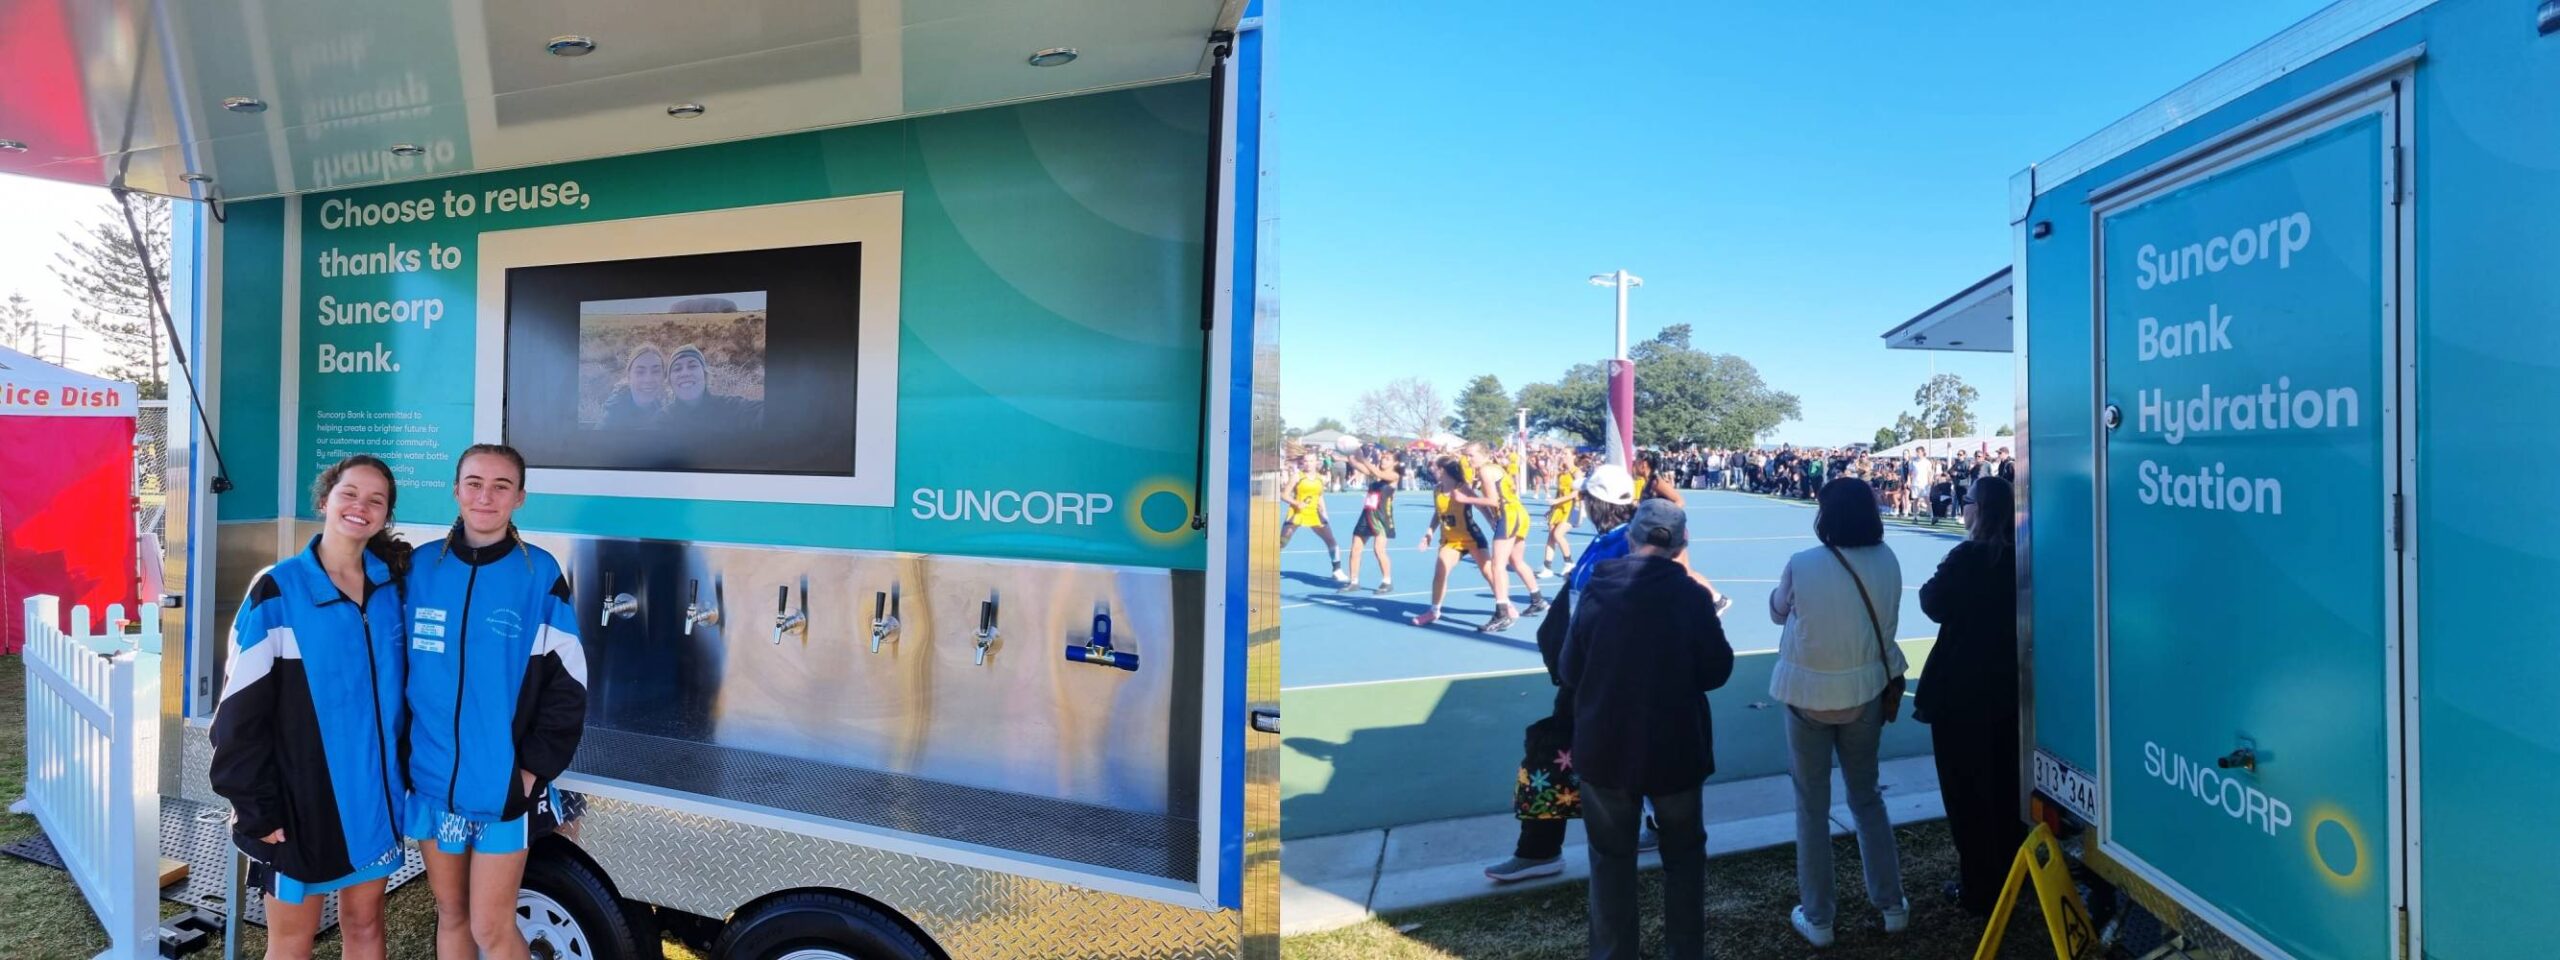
1336	881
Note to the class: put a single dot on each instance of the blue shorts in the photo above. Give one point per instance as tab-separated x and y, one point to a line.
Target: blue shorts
427	822
290	890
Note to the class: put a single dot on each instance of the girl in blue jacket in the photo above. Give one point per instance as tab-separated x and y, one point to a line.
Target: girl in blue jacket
497	700
306	736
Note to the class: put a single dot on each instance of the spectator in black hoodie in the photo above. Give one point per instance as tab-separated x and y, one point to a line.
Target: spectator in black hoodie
1644	648
1969	694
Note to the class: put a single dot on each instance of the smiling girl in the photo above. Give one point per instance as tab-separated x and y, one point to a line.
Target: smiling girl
305	738
498	701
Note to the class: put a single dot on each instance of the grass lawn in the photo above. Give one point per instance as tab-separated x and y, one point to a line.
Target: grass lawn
44	917
1748	896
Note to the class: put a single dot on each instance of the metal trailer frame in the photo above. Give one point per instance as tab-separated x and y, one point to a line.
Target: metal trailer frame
2318	36
713	858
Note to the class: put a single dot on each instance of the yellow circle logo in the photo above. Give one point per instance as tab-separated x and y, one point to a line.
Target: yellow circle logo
1160	512
2338	849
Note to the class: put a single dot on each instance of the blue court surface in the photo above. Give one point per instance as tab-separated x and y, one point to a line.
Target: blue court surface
1739	541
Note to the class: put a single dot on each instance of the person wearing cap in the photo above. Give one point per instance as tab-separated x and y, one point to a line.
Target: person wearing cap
1643	649
1608	501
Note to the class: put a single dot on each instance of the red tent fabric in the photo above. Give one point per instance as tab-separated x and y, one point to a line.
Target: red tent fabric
66	492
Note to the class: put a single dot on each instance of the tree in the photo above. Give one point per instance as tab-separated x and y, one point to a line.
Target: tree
2004	431
1484	411
1684	396
1408	408
104	272
1887	438
18	325
1575	405
1328	423
1946	406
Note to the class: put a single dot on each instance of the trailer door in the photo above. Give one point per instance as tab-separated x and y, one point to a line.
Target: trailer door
2249	328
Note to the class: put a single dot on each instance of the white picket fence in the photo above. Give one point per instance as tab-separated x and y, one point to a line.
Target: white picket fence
93	755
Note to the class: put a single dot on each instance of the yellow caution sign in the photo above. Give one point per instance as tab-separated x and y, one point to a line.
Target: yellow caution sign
2074	936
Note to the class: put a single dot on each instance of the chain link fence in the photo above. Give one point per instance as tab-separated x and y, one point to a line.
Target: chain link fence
151	465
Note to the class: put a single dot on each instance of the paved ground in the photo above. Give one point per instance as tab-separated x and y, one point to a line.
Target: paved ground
1335	881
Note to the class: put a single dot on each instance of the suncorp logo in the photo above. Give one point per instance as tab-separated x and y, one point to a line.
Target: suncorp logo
2240	800
1157	510
2335	844
1037	507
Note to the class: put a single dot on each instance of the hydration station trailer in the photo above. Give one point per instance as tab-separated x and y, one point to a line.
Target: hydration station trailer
2288	348
897	383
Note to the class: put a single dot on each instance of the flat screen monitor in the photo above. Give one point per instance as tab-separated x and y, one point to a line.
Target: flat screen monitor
742	362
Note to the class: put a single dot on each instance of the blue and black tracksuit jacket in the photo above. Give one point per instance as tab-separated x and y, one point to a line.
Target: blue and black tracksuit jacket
497	679
306	736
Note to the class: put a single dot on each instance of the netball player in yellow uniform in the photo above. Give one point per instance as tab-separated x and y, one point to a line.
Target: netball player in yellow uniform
1453	521
1305	499
1560	518
1511	542
1492	491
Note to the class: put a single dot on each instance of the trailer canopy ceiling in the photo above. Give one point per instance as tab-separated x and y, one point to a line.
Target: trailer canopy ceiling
1976	319
267	97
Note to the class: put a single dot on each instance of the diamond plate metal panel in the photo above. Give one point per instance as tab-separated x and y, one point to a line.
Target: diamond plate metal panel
195	780
200	835
712	866
1099	836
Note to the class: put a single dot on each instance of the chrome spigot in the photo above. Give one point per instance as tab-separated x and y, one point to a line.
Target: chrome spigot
986	629
883	624
621	605
786	619
694	611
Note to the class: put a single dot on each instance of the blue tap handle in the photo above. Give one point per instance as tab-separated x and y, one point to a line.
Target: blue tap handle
1102	656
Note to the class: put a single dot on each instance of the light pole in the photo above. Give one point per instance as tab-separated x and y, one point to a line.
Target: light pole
1521	481
1621	407
1621	280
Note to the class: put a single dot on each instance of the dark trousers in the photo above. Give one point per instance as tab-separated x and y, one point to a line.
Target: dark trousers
1611	818
1978	780
1540	839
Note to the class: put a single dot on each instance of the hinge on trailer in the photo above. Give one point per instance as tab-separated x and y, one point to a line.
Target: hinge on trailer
2397	522
2403	920
2399	174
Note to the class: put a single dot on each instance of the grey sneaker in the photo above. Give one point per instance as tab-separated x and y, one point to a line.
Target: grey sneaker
1517	869
1898	919
1818	936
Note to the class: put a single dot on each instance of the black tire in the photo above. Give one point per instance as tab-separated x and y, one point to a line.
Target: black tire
587	906
802	921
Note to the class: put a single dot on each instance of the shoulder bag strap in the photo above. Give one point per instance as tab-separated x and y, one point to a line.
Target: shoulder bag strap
1867	602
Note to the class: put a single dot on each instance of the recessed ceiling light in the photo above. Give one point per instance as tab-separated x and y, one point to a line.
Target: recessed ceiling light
196	177
1054	56
1955	343
244	105
685	111
407	149
572	46
13	146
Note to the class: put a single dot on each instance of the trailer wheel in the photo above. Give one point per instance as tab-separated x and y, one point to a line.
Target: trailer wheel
817	926
567	912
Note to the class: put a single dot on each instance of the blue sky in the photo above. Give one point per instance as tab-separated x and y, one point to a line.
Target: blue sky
1791	179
